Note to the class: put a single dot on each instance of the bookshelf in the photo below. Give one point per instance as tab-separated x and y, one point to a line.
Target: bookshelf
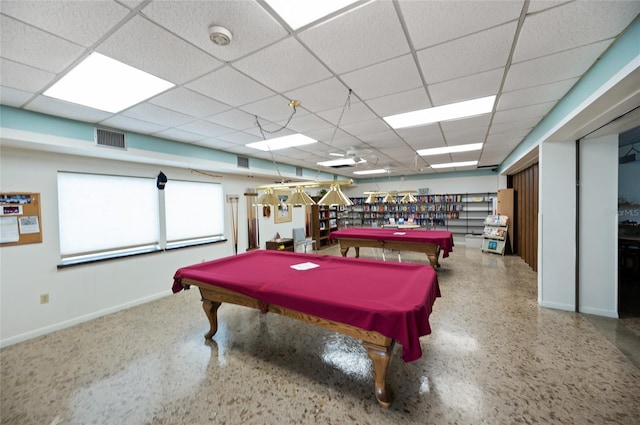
324	220
461	213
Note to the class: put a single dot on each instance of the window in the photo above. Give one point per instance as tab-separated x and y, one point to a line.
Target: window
100	213
102	216
193	211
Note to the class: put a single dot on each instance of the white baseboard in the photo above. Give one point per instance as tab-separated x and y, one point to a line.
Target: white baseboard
81	319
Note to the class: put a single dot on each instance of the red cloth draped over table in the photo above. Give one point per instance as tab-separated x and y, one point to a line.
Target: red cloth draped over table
394	299
439	237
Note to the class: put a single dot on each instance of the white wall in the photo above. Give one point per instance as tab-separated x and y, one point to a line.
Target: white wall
598	270
556	226
87	291
476	184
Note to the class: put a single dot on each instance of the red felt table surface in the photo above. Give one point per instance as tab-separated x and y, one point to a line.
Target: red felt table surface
394	299
439	237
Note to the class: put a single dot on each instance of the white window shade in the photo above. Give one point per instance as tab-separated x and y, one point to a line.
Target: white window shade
99	213
193	210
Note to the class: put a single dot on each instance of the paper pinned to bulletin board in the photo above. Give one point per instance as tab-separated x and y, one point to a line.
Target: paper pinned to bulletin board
20	221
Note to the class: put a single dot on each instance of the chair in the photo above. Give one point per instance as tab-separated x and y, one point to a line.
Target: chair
299	238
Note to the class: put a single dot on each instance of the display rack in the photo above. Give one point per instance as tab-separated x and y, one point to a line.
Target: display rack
494	236
461	214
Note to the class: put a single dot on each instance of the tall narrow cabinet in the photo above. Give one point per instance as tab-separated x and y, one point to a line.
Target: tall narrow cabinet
506	198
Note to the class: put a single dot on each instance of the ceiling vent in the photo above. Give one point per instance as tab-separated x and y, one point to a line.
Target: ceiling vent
110	139
299	171
242	161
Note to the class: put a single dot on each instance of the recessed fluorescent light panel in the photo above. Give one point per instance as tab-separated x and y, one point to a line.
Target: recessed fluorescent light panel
282	142
363	172
455	164
299	13
450	149
103	83
341	162
453	111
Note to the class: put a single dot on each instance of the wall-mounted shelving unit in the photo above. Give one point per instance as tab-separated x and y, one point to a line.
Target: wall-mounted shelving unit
461	213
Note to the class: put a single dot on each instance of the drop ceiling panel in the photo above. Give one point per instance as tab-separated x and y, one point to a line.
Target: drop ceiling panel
189	102
411	100
557	67
347	43
539	5
36	48
239	138
148	47
283	66
392	76
508	127
234	118
23	77
475	53
250	25
228	86
470	87
533	95
525	112
572	25
435	22
176	134
51	106
321	96
362	128
80	22
13	97
206	128
158	115
132	124
307	123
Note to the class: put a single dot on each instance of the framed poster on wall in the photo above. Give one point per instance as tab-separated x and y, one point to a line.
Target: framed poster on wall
283	213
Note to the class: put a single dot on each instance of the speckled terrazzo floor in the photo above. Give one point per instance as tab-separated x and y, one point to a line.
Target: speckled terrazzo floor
494	357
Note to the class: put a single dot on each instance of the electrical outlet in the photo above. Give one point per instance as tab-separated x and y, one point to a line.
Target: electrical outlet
44	298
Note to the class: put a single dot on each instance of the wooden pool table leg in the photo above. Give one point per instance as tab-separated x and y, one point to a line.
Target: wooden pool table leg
380	355
211	310
344	251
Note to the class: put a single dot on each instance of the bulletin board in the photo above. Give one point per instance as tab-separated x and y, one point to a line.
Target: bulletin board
20	221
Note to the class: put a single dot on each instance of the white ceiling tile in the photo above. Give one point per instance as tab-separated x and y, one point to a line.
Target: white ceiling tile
496	142
533	95
572	25
23	77
514	126
205	128
539	5
251	27
156	114
471	87
51	106
385	136
239	138
179	135
362	128
384	78
307	123
274	108
234	118
357	112
13	97
283	66
472	54
36	48
321	96
411	100
231	87
146	46
132	124
434	22
366	35
522	113
189	102
82	22
552	68
214	143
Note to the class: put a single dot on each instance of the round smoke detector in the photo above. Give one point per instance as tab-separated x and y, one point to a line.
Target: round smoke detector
220	35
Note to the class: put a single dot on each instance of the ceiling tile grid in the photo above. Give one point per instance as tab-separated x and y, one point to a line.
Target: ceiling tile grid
395	56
